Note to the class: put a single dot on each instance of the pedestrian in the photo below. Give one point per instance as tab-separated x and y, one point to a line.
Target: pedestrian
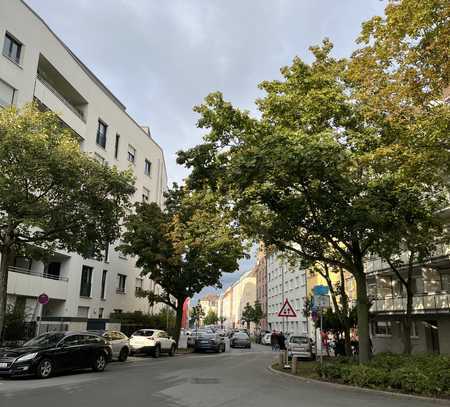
274	341
282	341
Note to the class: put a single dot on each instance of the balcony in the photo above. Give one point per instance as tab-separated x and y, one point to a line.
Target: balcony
422	304
32	283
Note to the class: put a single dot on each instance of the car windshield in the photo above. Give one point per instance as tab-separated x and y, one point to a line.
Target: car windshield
241	335
144	332
206	335
45	339
302	340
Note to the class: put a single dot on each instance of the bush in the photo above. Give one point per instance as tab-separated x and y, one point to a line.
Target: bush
421	374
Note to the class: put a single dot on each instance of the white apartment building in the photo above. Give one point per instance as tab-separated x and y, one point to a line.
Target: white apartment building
285	281
36	65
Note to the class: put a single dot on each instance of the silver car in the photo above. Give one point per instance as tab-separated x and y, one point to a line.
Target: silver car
118	343
302	347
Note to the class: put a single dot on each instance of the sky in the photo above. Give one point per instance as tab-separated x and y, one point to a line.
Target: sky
162	57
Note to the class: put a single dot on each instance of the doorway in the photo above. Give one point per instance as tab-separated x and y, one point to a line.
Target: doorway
432	336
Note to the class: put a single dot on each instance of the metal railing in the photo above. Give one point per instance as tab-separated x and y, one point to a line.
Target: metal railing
42	274
438	302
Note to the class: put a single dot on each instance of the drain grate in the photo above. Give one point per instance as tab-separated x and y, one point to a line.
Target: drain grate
205	380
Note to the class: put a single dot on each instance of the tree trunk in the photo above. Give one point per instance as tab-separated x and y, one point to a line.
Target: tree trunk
363	314
407	345
178	320
6	255
347	341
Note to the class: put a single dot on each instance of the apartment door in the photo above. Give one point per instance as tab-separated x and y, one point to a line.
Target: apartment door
432	336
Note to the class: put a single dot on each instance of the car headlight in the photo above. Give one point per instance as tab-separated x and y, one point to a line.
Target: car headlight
29	356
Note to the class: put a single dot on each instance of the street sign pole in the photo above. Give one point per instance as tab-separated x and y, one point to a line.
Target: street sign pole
321	341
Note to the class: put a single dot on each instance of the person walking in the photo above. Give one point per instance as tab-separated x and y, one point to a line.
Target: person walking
274	341
282	340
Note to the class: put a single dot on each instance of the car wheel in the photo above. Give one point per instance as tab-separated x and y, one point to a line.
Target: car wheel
222	348
157	352
123	355
172	351
44	369
99	363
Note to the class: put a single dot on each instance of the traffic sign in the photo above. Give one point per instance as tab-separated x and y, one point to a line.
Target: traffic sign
320	290
321	301
287	311
43	299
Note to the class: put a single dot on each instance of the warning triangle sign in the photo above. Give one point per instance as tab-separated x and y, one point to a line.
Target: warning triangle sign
287	311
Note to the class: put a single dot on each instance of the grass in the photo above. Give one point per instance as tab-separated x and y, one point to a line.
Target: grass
305	368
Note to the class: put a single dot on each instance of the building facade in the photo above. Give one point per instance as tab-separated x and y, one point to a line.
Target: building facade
261	284
209	303
35	65
285	281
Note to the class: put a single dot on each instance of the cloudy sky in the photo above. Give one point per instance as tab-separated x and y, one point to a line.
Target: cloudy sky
162	57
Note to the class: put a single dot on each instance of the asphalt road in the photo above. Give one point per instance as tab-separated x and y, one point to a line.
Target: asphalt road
238	379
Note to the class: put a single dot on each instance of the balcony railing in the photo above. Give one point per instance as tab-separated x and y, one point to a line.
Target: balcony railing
42	274
424	303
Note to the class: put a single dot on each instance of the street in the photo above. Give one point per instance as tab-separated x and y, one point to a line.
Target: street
238	378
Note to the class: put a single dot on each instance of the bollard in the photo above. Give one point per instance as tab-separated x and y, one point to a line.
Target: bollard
294	364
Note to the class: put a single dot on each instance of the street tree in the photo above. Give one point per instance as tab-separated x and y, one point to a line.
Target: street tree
52	195
197	314
258	313
248	315
211	318
184	247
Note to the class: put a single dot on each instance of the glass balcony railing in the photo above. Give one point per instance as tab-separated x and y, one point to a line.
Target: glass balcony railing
42	274
422	303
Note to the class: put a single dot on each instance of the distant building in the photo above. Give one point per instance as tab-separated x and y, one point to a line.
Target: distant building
261	283
209	303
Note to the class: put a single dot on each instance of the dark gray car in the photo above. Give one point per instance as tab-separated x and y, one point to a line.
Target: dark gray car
205	341
240	340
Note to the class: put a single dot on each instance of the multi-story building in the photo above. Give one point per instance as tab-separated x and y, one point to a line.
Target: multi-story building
234	299
261	283
209	303
35	65
285	281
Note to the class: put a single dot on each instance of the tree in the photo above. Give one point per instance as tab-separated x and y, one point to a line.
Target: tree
211	318
182	248
52	195
197	314
248	315
258	313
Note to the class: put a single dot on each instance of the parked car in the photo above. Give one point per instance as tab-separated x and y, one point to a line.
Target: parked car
206	341
302	347
265	340
53	352
240	340
118	343
152	342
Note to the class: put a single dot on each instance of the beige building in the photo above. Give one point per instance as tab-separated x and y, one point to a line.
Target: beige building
209	303
36	65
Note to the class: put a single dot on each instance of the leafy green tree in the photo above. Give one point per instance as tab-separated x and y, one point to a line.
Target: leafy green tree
52	195
258	313
197	314
248	315
184	247
211	318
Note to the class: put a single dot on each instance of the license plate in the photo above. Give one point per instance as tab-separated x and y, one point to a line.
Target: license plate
3	365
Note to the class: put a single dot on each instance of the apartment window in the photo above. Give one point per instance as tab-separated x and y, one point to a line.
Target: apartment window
145	195
147	167
83	312
103	286
100	312
445	282
131	154
106	254
23	262
117	311
7	94
86	278
101	134
121	282
418	285
116	146
139	285
12	48
382	328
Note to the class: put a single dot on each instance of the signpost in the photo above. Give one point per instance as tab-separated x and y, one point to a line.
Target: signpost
41	301
321	301
286	311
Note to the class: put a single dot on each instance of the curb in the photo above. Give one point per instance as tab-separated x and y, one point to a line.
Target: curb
358	389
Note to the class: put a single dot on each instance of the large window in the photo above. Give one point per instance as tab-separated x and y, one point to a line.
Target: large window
86	279
7	94
131	154
382	328
12	48
139	285
103	286
145	195
116	146
121	283
101	134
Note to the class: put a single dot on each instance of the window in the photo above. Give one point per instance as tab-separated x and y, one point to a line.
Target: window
121	282
86	278
147	167
83	312
131	154
23	262
53	270
418	286
445	282
100	312
12	48
116	146
106	254
145	195
117	311
99	158
382	328
139	285
103	286
7	94
101	134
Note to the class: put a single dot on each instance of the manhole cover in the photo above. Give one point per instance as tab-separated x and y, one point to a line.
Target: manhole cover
204	380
